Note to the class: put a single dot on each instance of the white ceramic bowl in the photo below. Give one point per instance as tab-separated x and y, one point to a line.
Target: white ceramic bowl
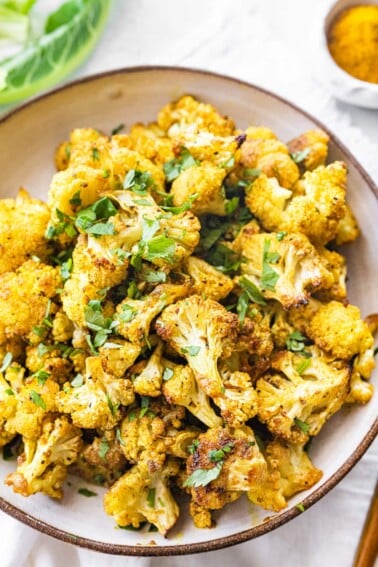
342	85
28	138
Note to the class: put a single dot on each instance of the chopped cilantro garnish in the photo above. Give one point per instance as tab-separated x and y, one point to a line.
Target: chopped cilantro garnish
180	208
231	205
151	497
117	129
75	201
202	477
281	235
138	181
77	381
86	492
128	313
9	392
300	507
296	343
252	291
251	172
303	365
191	350
6	361
269	277
167	374
154	277
229	163
119	436
41	376
37	400
298	157
144	404
66	269
174	167
95	154
111	405
303	426
103	449
65	224
160	247
91	219
193	447
106	174
217	455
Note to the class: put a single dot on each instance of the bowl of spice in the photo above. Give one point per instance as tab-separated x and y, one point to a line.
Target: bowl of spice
348	59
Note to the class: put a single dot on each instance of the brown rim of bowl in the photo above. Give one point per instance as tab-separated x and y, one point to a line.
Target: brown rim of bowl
271	522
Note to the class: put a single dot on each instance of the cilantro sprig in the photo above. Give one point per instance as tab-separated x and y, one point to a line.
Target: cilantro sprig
94	219
175	166
269	276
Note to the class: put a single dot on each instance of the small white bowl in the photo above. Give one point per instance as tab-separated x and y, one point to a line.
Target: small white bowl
342	85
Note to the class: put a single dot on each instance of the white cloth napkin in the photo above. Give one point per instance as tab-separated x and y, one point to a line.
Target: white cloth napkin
239	38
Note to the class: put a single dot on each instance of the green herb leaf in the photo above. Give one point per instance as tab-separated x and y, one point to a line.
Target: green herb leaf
66	269
303	365
167	374
6	361
41	376
86	492
95	154
298	157
56	54
103	449
117	129
128	313
119	436
217	455
138	181
229	163
160	247
37	400
252	291
231	205
281	235
303	426
113	407
151	495
203	477
174	167
269	277
295	342
91	219
193	447
144	404
300	507
154	277
242	306
181	208
191	350
77	381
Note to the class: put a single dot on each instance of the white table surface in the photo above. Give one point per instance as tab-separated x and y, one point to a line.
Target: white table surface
268	43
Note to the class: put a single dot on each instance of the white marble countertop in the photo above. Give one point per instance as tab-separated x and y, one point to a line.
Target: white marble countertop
266	43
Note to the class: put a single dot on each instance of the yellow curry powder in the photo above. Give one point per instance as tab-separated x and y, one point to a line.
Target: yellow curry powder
353	42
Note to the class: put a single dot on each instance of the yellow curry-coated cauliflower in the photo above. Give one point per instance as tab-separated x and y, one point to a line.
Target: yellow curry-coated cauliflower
208	281
151	142
201	330
43	465
239	401
62	327
316	213
287	270
180	387
203	184
270	156
139	496
188	112
134	316
148	382
347	229
310	148
224	463
290	470
101	461
93	270
339	330
118	356
10	384
23	223
205	147
334	287
96	403
24	297
297	402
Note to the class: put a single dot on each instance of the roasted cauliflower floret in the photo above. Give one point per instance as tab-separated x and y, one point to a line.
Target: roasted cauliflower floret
270	156
290	470
148	382
334	287
347	229
43	465
180	387
151	142
24	297
208	281
296	402
310	148
201	330
93	270
203	186
287	270
134	316
315	213
101	461
96	402
238	403
189	113
224	464
339	330
205	147
138	496
23	222
118	356
62	327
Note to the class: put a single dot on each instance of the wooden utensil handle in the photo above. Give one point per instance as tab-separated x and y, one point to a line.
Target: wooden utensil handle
368	547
